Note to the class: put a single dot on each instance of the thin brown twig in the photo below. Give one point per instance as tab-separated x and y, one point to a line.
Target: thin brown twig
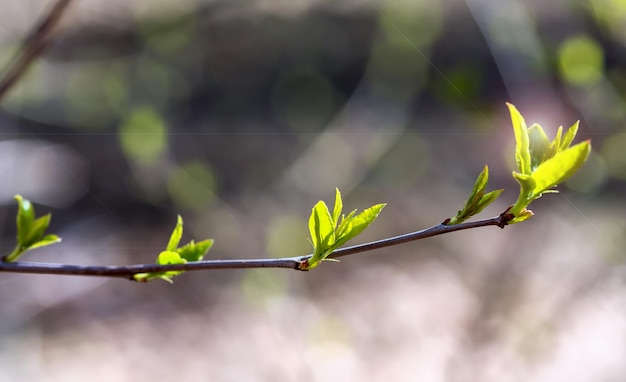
33	45
297	263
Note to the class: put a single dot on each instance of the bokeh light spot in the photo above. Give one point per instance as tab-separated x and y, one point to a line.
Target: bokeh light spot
143	135
581	61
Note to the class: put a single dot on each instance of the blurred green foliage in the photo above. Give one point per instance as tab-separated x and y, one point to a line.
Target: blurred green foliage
581	61
143	135
192	185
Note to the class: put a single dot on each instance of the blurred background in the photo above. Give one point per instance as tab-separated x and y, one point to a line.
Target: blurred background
242	114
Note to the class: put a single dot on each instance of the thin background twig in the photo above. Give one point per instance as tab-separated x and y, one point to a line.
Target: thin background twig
34	44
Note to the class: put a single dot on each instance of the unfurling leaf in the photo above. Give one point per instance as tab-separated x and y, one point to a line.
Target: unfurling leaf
539	146
358	224
176	255
321	227
169	257
195	251
338	207
25	217
329	232
560	167
45	241
486	200
551	163
522	146
477	200
37	228
177	234
520	217
30	231
481	182
569	136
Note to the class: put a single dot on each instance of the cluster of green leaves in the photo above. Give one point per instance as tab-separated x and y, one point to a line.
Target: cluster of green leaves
477	200
542	164
174	254
31	232
329	232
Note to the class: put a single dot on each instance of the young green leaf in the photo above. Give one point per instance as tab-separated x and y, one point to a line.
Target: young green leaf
486	200
539	145
552	163
30	231
328	233
555	145
520	217
321	227
177	234
24	219
522	149
358	223
477	200
559	168
526	182
37	228
164	258
44	241
338	207
481	181
170	257
341	228
569	136
195	251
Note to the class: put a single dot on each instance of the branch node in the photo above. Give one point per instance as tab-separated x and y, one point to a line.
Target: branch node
302	265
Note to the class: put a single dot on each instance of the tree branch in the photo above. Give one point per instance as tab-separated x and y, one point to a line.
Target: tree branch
297	263
33	45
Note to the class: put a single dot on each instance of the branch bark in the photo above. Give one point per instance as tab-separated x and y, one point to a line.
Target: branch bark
296	263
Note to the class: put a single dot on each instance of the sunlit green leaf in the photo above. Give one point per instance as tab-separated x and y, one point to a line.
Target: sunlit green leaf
481	181
195	251
522	150
476	201
338	207
486	200
555	145
46	240
327	236
344	223
524	215
30	231
539	145
469	208
527	183
177	234
321	227
560	167
170	257
358	223
25	217
37	228
166	258
569	136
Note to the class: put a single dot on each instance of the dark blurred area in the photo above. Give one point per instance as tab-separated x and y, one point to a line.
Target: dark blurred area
240	115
